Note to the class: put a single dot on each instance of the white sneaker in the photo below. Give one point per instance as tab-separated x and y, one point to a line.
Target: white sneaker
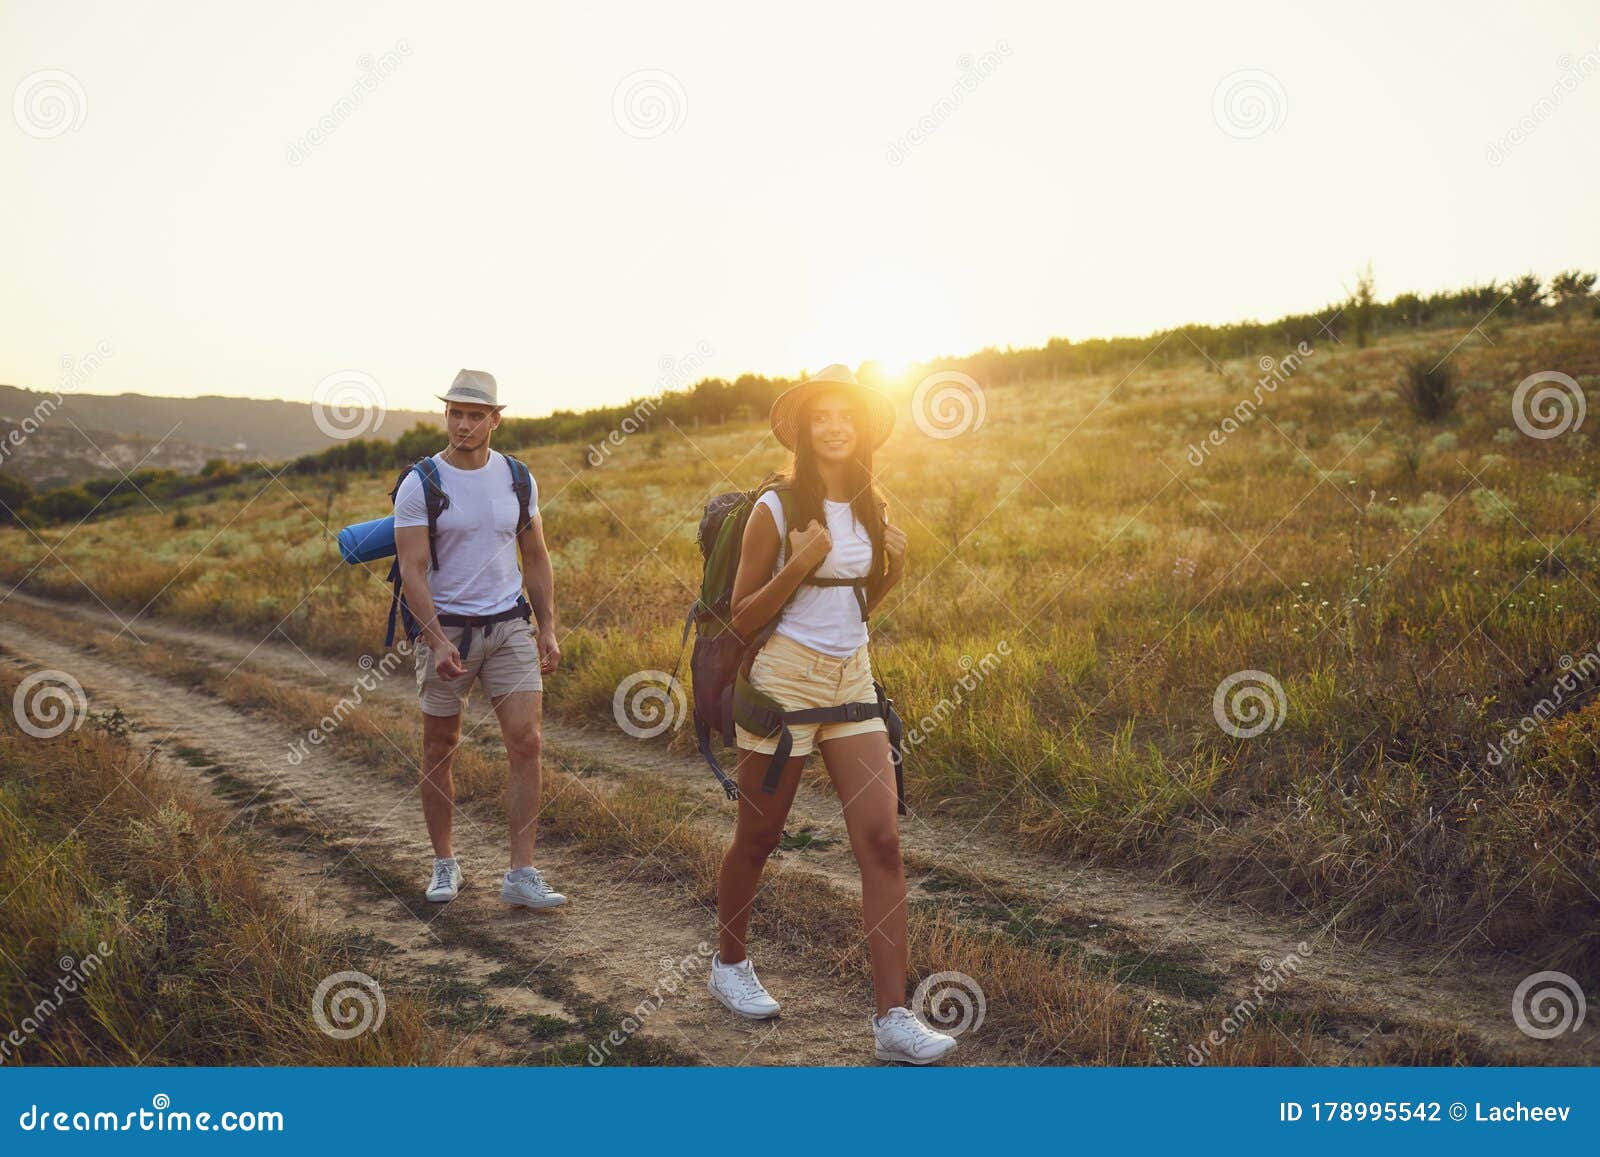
736	986
446	881
902	1037
525	887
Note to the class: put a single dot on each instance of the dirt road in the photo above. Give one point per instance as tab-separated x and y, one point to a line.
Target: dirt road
348	843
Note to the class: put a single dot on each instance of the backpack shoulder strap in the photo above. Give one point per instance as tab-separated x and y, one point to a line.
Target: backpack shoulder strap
435	497
522	484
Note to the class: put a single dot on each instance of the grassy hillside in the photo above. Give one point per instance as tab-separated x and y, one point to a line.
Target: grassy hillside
1087	569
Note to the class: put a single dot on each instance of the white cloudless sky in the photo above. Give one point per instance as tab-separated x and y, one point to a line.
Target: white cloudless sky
486	204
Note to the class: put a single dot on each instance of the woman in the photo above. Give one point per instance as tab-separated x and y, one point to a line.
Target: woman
817	657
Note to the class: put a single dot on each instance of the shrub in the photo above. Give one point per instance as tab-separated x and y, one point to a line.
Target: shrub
1429	388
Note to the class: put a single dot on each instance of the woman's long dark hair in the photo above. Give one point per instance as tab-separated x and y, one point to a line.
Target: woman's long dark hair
806	483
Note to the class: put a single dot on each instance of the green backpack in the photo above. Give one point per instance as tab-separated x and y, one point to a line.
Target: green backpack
720	665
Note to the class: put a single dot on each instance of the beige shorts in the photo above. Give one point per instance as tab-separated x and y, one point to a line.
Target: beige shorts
798	676
505	658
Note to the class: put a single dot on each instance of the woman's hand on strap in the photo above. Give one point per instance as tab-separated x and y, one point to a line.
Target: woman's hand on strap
894	545
811	544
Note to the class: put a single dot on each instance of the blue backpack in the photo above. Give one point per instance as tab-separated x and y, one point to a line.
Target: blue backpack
369	541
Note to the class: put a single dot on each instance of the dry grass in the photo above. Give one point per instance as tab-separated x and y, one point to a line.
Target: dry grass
1413	588
1054	1008
195	959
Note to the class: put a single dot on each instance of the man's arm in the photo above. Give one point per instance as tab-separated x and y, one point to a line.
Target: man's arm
538	576
411	550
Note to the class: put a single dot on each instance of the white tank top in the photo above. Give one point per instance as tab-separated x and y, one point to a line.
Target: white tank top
826	619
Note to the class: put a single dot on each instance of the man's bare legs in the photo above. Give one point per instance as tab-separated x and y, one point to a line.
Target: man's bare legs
440	733
520	716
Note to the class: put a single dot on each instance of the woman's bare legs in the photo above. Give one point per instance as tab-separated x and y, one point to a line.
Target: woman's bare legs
863	775
755	838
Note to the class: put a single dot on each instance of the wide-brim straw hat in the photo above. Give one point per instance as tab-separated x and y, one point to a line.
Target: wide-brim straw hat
875	404
474	386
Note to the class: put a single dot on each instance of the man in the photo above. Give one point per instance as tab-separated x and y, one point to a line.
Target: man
473	621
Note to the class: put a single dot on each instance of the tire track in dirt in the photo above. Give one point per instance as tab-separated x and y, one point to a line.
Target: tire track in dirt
612	943
1473	993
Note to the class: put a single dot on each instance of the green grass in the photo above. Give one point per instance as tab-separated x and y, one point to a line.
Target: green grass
1411	585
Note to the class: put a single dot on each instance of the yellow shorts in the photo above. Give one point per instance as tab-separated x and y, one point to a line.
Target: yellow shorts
798	676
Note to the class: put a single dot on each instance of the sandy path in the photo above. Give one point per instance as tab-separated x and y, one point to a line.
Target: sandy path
612	943
1474	993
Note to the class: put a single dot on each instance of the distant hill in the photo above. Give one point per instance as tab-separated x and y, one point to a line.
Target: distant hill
58	453
194	429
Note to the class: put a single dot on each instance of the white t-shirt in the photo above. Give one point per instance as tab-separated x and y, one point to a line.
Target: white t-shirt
826	619
476	538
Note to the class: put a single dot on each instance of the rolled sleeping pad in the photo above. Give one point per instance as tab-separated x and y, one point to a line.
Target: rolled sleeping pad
366	541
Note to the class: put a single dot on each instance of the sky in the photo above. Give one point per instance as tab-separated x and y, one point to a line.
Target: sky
596	202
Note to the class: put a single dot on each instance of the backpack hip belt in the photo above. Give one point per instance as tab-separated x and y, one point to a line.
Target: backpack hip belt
761	714
522	610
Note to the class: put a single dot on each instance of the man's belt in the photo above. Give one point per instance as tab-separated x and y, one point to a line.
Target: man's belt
522	610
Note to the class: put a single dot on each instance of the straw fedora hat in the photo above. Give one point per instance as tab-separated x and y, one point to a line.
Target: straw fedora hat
875	405
474	386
